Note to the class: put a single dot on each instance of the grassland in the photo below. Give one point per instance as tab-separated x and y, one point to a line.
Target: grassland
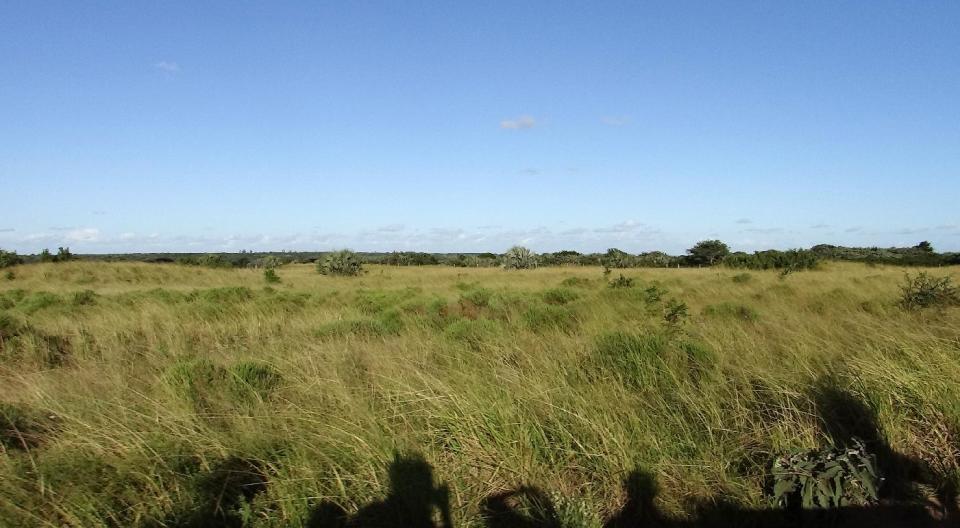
133	394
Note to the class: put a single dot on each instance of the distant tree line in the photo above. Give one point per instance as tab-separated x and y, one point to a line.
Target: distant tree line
704	253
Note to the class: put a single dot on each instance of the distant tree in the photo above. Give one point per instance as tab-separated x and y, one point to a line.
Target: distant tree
924	246
708	252
9	258
63	255
46	256
519	257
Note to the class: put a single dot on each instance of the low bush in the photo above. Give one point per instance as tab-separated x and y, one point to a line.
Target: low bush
519	257
251	379
827	478
343	263
741	278
9	258
576	282
621	282
84	298
925	291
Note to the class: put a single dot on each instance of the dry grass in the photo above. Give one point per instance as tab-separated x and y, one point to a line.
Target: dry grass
135	391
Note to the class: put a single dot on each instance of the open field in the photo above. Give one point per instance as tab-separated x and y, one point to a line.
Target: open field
166	395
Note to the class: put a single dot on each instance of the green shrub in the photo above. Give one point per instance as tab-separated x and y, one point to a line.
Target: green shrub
10	275
924	291
789	261
741	278
343	263
732	311
519	257
653	294
675	312
213	260
827	478
559	296
621	282
270	276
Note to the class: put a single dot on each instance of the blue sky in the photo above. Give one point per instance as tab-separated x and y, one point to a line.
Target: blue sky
455	126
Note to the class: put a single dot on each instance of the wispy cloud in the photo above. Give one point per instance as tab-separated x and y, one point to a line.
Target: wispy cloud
820	226
744	221
764	230
167	66
854	229
85	234
7	230
392	228
520	123
531	171
615	121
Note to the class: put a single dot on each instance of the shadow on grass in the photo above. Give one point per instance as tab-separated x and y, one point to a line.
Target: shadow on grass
413	502
220	494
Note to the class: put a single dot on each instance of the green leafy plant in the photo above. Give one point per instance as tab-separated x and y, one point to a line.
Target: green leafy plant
519	257
621	282
827	478
924	291
675	312
573	513
344	263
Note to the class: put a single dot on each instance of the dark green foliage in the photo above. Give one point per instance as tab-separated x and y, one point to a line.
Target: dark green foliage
8	259
741	278
924	291
213	260
615	258
63	255
827	478
653	294
621	282
919	255
544	317
270	276
10	275
410	258
22	428
220	497
790	260
46	256
732	311
708	252
343	263
559	296
84	298
373	302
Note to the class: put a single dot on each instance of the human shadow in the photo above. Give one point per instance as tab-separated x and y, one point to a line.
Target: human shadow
217	495
843	417
412	502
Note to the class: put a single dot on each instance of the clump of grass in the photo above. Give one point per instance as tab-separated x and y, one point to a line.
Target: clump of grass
730	310
573	513
387	324
474	332
741	278
198	381
253	379
9	275
544	317
233	294
37	301
925	291
576	282
559	296
480	297
633	358
84	298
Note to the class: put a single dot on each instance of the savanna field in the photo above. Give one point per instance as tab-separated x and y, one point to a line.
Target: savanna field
141	394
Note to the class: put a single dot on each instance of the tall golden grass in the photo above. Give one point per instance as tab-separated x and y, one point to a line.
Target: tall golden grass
133	392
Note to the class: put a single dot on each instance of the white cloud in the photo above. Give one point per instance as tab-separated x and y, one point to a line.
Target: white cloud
85	234
392	228
820	226
167	66
615	121
520	123
7	230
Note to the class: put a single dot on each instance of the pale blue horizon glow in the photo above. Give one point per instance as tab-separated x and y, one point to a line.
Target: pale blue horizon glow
457	127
